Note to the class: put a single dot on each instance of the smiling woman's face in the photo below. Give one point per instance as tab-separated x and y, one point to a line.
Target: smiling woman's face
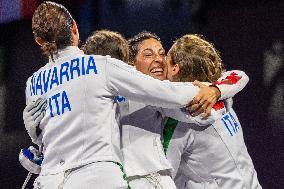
151	59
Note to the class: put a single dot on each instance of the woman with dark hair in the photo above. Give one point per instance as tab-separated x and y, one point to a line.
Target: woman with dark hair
54	28
80	134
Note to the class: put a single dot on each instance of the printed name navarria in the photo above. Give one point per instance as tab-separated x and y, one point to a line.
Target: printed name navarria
45	80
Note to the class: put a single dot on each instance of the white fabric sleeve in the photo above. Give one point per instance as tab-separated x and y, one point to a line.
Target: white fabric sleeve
228	104
124	80
231	83
183	116
27	89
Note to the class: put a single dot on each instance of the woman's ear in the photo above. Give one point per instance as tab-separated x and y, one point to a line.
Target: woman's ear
74	28
75	34
175	70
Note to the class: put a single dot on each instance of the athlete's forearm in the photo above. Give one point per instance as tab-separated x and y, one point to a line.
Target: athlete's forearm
132	84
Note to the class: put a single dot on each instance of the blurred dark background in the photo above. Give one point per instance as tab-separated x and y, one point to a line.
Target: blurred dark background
249	35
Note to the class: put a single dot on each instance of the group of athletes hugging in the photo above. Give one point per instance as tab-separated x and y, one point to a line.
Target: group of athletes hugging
123	113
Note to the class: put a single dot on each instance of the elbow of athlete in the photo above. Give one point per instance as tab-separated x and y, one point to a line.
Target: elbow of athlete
245	77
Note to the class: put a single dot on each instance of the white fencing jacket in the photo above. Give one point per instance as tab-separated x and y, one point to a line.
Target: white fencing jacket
81	125
214	156
141	130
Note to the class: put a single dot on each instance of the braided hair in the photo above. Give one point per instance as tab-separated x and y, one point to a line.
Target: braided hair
52	23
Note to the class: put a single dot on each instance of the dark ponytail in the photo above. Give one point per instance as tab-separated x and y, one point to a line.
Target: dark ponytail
49	49
52	23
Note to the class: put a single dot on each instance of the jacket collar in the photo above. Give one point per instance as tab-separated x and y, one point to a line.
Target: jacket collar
66	52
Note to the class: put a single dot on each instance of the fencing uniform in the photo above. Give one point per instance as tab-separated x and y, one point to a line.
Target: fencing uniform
212	157
144	161
141	126
80	126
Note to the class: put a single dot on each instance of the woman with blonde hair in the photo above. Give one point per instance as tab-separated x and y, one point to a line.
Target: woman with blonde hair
214	156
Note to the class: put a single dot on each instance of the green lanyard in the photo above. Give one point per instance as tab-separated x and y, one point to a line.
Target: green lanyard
168	132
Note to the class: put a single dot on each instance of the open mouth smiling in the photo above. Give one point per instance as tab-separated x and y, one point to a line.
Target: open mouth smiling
157	70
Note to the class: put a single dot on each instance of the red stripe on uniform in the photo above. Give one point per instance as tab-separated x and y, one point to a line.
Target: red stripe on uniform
219	105
231	79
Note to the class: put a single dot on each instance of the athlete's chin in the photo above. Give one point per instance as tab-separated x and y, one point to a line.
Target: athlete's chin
159	76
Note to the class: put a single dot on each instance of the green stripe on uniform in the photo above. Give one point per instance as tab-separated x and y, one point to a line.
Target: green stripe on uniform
124	174
168	132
